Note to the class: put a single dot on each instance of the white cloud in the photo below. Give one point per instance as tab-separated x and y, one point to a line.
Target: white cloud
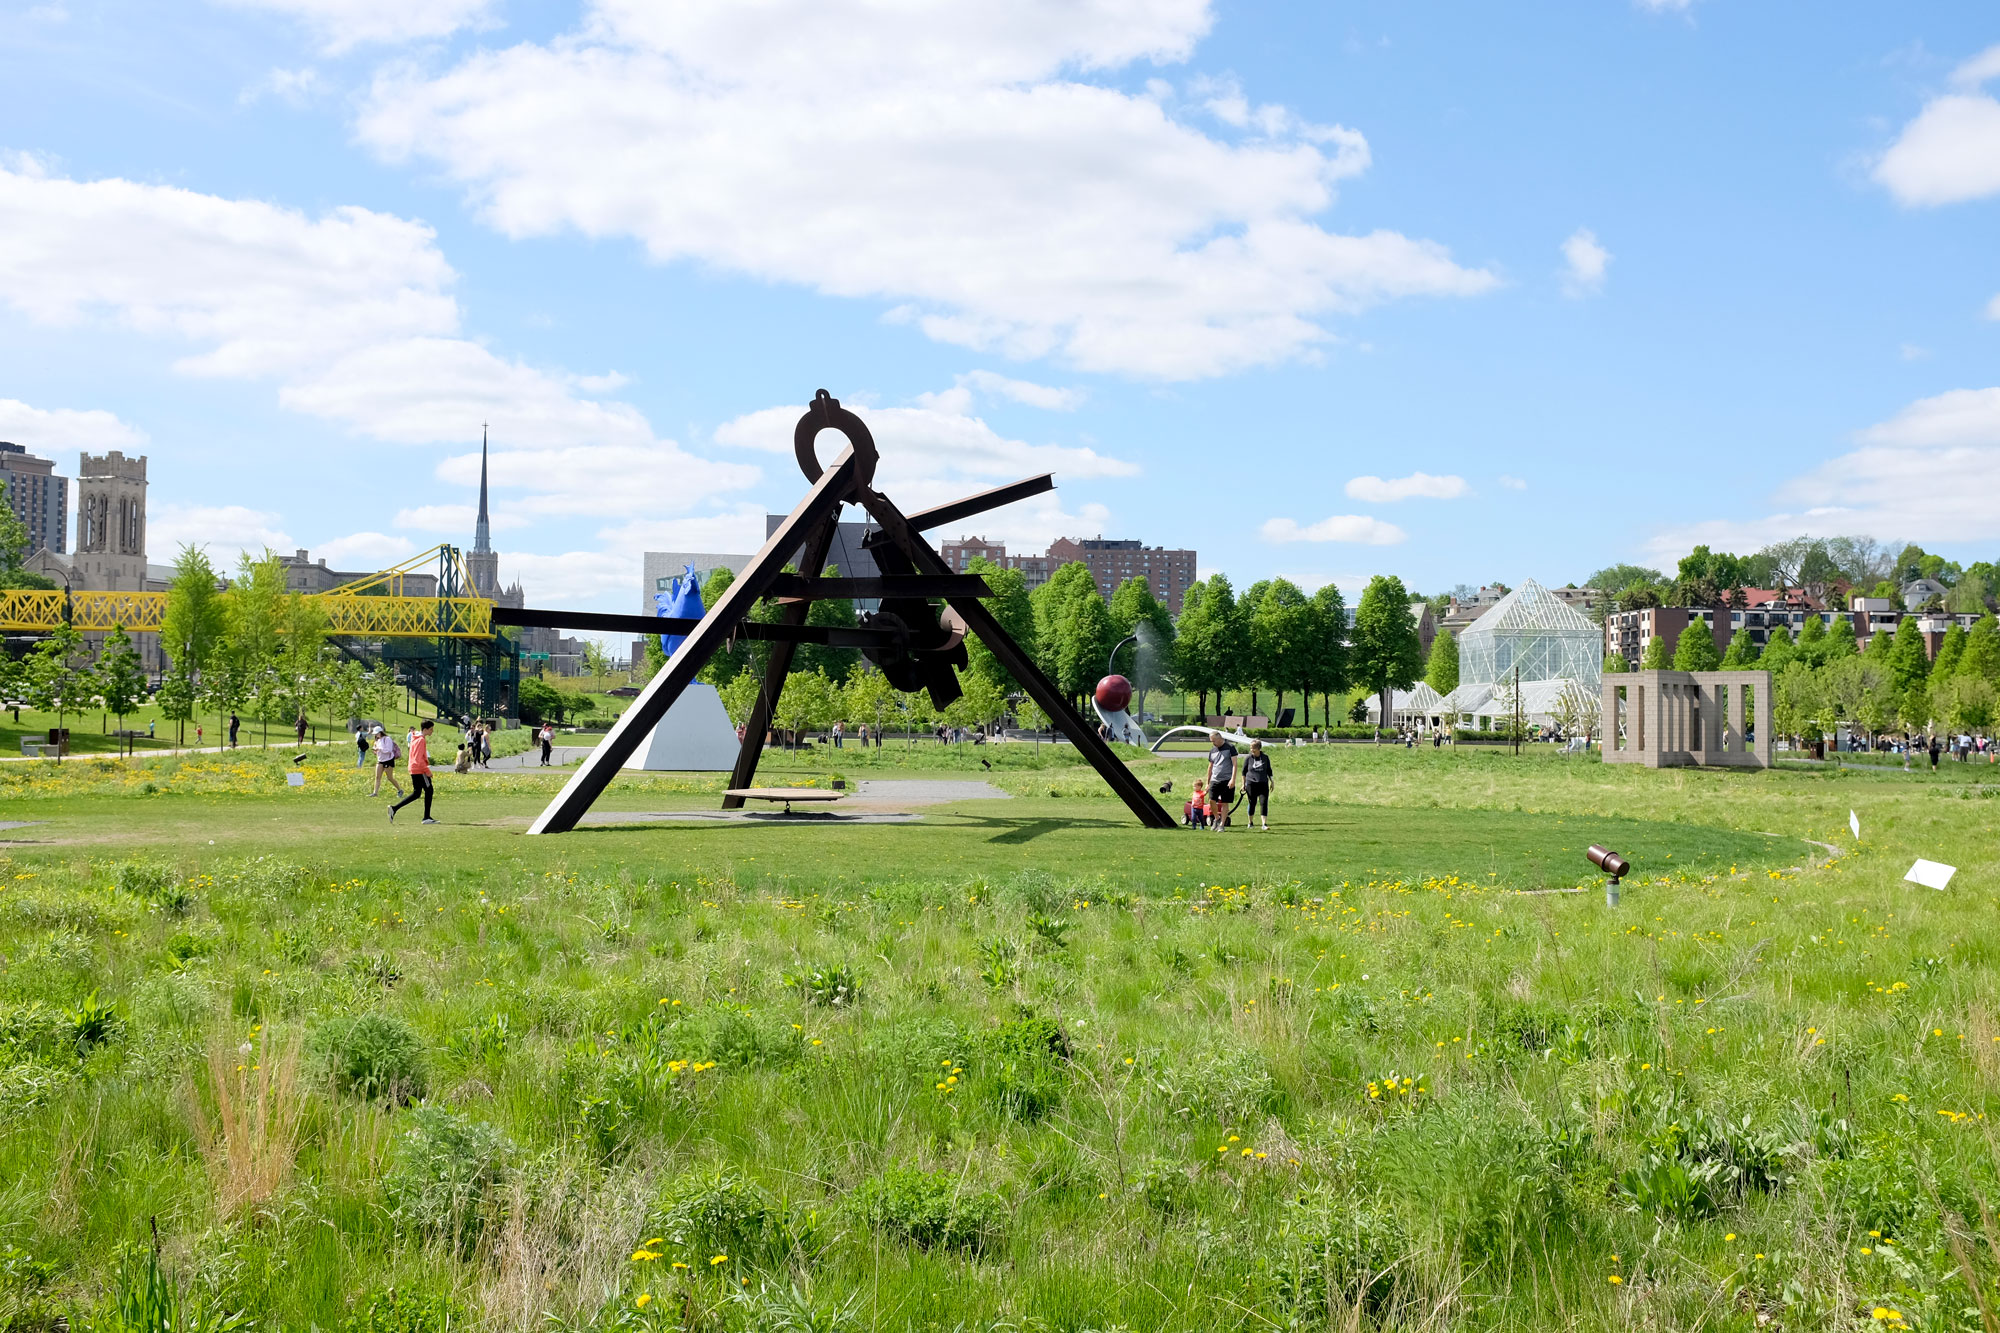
1418	485
456	518
351	313
341	25
1979	69
1912	352
612	480
1665	6
1951	151
971	175
1584	263
739	530
936	451
46	430
1993	307
226	530
575	576
265	290
1025	392
365	551
1513	483
1927	470
295	87
1358	528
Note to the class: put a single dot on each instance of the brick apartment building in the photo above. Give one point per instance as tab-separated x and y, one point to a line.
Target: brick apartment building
1629	632
1170	572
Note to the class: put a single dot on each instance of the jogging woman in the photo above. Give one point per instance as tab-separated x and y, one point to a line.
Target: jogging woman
420	772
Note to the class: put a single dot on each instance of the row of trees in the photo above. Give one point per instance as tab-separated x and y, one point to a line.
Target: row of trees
1829	570
1821	678
1273	637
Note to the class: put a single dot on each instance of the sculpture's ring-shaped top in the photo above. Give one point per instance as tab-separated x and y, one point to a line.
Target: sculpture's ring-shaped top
826	413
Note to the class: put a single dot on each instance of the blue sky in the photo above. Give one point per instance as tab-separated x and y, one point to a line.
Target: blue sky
1459	292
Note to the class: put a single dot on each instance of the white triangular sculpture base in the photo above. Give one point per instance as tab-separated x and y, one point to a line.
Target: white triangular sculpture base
695	735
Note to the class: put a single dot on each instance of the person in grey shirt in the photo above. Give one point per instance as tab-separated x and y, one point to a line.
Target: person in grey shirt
1221	780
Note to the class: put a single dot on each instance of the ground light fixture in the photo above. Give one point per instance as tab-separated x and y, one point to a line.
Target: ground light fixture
1612	864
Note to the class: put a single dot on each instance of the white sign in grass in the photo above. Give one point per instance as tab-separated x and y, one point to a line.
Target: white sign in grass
1931	874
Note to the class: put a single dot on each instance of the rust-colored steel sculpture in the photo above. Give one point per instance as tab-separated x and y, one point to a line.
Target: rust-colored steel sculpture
913	642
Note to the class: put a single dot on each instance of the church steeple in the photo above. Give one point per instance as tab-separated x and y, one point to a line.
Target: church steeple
482	534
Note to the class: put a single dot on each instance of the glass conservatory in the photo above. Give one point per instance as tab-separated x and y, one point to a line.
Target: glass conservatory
1537	631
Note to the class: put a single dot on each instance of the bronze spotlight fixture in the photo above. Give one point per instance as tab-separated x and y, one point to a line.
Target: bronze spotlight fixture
1612	864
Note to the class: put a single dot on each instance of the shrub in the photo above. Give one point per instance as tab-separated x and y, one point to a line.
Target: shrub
1338	1253
375	1055
933	1210
404	1311
1025	1064
1226	1085
157	883
446	1170
833	985
1052	931
92	1022
721	1212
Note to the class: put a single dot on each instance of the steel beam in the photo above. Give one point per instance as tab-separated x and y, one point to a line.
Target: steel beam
819	508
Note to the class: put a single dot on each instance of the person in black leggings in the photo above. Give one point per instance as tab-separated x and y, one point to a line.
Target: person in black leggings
1257	785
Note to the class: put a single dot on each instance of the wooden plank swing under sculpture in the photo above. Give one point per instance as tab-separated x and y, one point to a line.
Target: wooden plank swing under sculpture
912	642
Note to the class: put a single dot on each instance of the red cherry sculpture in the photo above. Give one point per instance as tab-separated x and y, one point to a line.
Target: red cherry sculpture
1114	694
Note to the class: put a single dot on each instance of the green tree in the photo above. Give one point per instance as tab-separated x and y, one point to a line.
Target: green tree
300	660
739	694
195	624
1134	610
1695	650
1387	655
1908	661
1963	703
1208	639
257	605
540	701
726	663
119	679
1330	661
1840	640
832	613
1659	653
1616	665
1797	700
1812	641
1951	651
869	697
1982	650
1011	606
1779	652
1742	654
58	675
1072	629
1441	672
1285	629
1253	663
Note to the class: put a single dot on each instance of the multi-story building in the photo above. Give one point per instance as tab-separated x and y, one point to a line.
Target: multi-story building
1170	573
110	554
39	497
304	574
1629	632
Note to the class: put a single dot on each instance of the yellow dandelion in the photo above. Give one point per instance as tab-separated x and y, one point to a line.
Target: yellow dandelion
1614	1280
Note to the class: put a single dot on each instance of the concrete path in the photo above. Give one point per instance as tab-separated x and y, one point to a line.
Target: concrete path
926	791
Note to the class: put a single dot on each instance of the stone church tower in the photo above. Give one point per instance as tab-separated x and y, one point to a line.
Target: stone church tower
111	522
482	561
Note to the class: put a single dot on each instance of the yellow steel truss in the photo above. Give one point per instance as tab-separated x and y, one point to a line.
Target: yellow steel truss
34	611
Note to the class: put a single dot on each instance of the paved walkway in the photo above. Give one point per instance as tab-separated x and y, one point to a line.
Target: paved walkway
926	791
276	745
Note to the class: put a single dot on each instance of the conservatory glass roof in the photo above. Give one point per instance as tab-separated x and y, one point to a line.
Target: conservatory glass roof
1535	630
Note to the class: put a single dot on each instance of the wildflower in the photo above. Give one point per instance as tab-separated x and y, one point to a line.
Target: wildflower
1614	1280
1730	1236
643	1256
718	1259
645	1299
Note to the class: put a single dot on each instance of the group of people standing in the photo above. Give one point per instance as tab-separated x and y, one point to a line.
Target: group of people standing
1215	793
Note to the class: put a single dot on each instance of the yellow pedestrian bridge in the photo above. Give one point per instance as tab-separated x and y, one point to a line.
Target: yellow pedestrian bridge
376	607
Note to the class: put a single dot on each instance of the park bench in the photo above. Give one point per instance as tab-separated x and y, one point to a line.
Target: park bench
803	795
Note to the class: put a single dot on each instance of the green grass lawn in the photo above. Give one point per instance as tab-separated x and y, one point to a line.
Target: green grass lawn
1021	1064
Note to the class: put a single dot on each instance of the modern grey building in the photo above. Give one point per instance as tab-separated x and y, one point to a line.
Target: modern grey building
40	498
